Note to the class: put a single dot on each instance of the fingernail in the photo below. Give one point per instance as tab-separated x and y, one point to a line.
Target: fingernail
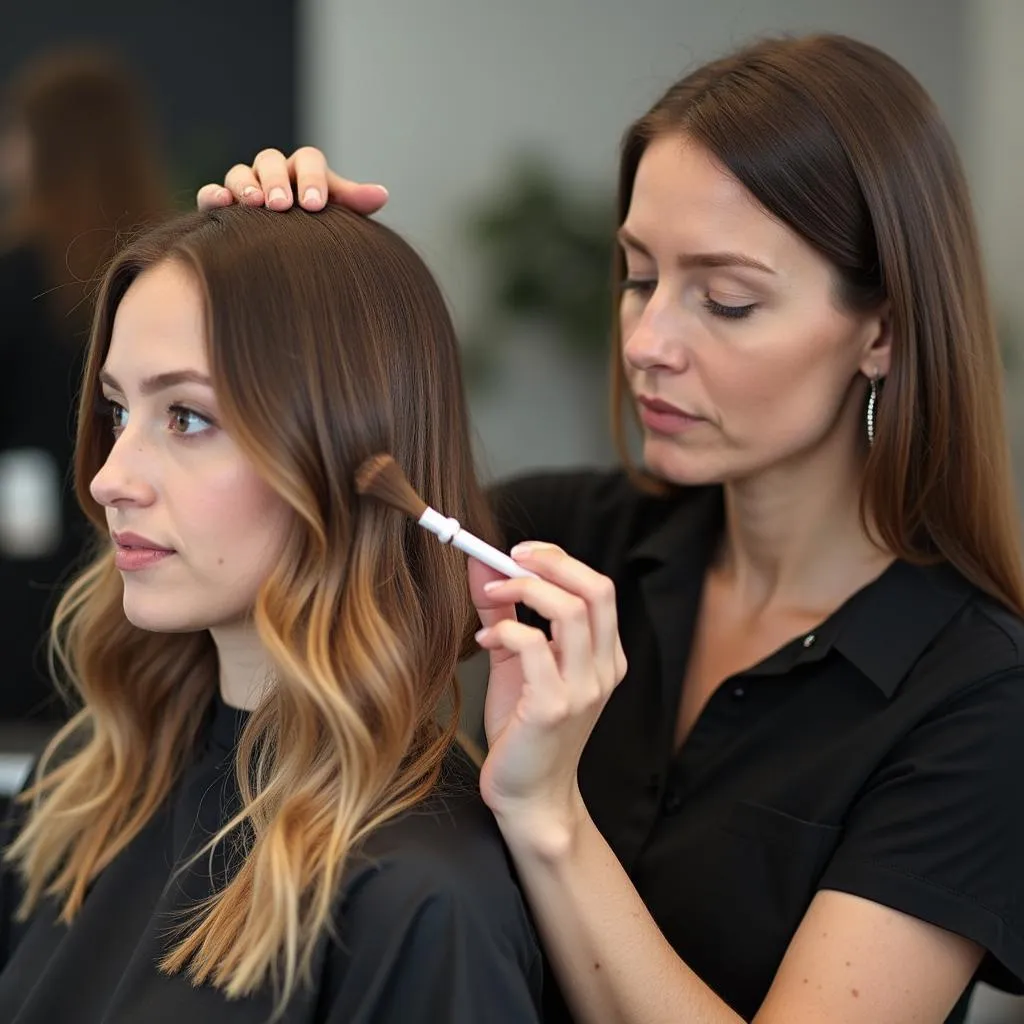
249	190
381	188
530	547
492	586
312	195
277	194
223	194
481	635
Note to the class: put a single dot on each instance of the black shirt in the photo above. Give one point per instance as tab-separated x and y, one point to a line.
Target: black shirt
881	754
431	925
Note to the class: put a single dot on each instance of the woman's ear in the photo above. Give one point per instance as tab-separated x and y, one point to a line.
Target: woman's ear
876	351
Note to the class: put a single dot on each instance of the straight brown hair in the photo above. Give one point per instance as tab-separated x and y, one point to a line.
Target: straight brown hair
843	145
328	342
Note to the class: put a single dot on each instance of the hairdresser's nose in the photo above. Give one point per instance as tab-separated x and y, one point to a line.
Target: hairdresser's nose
653	338
125	479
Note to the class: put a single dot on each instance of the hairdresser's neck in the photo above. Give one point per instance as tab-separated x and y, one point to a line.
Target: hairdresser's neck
793	534
244	668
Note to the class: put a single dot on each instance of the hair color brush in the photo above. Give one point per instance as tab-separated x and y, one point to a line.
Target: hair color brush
382	478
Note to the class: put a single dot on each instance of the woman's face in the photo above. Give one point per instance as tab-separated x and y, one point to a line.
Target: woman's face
734	344
197	530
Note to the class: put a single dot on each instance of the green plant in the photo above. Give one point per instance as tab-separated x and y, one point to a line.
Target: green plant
546	246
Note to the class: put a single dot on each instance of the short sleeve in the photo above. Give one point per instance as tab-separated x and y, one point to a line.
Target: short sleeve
938	832
417	947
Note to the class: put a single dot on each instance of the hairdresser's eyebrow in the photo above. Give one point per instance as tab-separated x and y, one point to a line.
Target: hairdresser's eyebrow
160	381
697	259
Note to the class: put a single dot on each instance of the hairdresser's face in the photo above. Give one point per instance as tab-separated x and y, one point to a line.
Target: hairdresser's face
737	368
174	478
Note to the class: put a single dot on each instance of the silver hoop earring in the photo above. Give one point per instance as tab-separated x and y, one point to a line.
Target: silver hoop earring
872	402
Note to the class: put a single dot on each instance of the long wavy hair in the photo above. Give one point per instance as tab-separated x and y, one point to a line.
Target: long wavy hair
328	341
840	142
95	170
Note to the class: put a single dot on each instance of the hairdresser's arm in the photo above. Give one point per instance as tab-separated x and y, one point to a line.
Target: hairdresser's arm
272	179
851	961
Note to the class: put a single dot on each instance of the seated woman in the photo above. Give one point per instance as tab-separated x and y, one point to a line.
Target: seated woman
260	810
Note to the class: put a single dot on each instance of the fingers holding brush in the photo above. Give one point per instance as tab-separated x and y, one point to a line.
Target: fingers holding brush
544	696
580	605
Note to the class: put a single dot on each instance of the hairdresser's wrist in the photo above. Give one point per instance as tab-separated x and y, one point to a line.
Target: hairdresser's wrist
548	831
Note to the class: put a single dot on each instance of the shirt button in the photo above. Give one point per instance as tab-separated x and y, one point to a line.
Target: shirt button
809	639
673	803
739	693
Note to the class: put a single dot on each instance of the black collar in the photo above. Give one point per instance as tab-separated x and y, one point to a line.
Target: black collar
872	630
225	724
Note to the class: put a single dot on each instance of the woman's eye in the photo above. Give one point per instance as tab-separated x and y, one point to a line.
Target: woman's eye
187	421
116	414
728	312
639	285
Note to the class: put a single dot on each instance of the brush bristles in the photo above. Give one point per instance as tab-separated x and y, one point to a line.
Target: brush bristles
382	478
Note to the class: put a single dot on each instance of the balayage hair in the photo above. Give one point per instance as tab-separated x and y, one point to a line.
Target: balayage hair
328	341
841	144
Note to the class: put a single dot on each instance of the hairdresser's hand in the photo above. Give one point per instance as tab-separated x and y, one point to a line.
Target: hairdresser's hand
273	178
543	697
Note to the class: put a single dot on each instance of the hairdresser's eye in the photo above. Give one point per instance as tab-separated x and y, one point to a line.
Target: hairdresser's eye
728	312
644	287
187	421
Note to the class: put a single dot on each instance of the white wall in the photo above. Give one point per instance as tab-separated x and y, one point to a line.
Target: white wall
994	154
995	142
432	98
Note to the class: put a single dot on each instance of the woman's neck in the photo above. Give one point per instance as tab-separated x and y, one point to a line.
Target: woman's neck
245	671
794	536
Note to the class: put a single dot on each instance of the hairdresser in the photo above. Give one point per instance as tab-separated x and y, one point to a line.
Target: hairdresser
802	804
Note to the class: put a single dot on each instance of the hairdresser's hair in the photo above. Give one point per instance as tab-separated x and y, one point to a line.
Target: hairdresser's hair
843	145
328	342
95	170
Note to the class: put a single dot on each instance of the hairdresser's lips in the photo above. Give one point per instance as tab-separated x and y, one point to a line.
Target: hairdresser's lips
662	418
132	552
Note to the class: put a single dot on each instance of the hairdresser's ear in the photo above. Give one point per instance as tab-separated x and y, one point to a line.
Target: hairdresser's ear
876	343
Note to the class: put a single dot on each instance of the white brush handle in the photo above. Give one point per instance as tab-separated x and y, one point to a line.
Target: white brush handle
449	531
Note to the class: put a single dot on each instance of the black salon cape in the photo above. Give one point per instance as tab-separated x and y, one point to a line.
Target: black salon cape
432	926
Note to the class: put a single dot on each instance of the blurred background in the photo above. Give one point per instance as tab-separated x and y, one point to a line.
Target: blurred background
495	127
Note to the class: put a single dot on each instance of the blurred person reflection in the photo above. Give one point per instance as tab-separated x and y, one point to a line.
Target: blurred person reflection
78	169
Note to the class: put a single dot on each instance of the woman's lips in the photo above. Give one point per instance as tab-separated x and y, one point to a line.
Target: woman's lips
663	418
134	559
133	552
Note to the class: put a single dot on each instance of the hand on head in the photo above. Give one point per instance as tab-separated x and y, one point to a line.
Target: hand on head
275	181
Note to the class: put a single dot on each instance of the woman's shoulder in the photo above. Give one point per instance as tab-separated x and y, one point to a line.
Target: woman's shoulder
447	845
440	865
431	924
950	647
984	640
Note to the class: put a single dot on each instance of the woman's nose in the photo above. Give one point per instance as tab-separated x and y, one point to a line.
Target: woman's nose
124	478
655	340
